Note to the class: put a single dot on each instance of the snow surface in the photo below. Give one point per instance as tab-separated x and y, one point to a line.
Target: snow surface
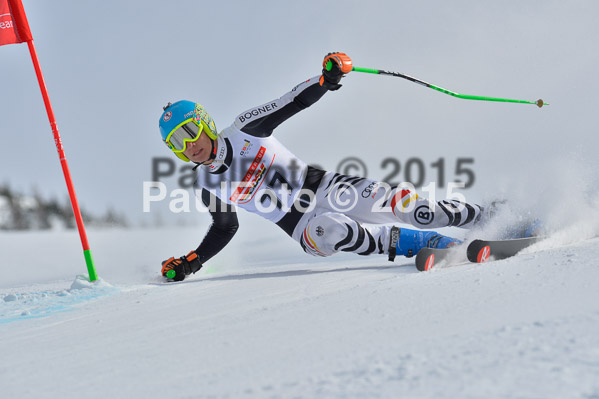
264	320
286	325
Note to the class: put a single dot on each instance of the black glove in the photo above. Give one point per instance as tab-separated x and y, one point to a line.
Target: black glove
177	269
334	66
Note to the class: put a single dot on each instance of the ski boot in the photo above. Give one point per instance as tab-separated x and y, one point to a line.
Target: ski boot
535	229
408	242
524	228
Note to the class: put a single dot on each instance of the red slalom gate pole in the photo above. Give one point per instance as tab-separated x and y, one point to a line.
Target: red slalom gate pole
63	162
22	33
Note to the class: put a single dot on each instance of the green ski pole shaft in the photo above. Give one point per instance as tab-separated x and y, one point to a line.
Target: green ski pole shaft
538	103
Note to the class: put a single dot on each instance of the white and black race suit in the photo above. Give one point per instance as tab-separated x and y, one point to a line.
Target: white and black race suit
325	212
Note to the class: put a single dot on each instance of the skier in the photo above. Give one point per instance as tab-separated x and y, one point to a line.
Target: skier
245	166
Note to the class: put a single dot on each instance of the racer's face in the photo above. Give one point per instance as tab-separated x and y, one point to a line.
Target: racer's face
199	150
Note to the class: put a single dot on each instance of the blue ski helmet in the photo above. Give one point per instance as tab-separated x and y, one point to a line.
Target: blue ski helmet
175	116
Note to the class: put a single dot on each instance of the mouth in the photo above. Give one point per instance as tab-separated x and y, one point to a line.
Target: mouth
198	152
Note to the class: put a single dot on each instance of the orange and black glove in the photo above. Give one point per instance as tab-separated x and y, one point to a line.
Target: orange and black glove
177	269
334	66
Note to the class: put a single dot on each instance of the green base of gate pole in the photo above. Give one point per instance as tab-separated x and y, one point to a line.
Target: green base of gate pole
91	269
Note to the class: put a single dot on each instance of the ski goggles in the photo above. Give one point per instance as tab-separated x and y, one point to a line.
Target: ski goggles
187	131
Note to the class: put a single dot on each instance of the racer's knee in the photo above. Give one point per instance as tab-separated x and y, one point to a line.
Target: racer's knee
323	234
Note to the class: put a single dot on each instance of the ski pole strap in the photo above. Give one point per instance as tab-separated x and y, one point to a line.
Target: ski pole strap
394	236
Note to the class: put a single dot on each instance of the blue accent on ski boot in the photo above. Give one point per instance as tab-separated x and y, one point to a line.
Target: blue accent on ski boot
535	229
524	229
412	241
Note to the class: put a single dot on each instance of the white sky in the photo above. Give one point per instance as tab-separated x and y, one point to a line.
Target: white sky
110	66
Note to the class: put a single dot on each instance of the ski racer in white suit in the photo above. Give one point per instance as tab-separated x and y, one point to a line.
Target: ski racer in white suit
245	166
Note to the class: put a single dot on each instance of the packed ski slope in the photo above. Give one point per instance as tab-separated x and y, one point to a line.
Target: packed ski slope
263	319
266	320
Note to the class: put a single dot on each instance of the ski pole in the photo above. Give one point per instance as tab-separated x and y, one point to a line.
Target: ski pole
539	102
